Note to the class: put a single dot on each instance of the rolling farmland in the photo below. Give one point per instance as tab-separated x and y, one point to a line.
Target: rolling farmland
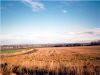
82	60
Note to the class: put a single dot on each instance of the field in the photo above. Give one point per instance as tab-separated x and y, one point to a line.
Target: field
82	60
11	50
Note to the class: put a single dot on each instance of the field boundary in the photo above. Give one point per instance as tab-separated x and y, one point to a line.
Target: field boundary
19	53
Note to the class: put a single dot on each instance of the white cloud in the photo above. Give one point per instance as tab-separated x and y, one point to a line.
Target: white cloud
28	1
36	6
90	32
87	35
95	31
16	37
64	11
79	36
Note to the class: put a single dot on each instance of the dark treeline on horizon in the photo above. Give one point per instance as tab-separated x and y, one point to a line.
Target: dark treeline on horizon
94	43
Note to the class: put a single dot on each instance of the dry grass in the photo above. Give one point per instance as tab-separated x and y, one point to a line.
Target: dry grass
53	61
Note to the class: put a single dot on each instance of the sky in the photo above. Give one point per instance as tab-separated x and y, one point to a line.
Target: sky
49	21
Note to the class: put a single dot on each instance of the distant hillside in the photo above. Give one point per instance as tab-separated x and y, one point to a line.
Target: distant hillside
93	43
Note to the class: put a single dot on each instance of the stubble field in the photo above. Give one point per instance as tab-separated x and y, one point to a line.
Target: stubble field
83	60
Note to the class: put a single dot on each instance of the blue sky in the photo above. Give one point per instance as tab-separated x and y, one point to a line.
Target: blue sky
32	21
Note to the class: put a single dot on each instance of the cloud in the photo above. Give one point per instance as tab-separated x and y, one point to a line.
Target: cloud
8	37
87	35
91	32
95	31
36	6
68	37
88	32
64	11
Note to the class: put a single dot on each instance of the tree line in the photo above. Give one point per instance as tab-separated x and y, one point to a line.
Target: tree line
93	43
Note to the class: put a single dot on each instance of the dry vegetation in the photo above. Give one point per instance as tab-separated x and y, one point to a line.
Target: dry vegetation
83	60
